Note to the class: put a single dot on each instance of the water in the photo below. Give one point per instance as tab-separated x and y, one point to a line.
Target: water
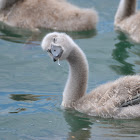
31	84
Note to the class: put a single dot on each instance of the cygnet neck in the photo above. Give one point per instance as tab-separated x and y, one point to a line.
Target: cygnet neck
77	81
126	8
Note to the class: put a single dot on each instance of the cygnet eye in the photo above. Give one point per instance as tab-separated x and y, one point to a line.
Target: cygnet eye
54	40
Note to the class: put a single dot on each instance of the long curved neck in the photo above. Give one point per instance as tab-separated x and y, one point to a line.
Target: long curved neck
126	8
6	3
78	75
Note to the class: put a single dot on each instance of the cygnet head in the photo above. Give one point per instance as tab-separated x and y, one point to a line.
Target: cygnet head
58	45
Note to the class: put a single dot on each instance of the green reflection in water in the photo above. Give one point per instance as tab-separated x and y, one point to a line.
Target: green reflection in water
80	125
120	54
18	35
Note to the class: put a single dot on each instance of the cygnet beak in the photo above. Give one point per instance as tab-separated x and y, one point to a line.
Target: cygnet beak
55	51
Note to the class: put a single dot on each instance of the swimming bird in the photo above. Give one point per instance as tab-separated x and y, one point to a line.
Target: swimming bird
127	19
49	14
118	99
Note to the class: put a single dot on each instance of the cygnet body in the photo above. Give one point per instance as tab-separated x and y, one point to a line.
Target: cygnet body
127	19
118	99
48	14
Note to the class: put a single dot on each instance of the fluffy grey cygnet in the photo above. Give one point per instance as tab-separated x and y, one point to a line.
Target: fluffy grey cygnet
127	19
118	99
49	14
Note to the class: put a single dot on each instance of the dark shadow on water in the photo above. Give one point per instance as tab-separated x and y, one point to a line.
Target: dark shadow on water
120	54
24	97
18	110
25	36
28	103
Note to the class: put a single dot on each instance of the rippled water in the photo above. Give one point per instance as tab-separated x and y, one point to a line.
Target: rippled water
31	85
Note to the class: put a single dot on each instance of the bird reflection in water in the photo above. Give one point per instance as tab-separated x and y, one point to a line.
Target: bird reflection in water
79	126
121	54
27	37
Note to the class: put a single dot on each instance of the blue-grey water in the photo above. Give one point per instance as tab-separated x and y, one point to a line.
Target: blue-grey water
31	85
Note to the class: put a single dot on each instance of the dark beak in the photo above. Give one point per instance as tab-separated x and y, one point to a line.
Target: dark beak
49	51
54	60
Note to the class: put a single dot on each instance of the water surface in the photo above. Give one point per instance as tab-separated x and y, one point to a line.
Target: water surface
31	85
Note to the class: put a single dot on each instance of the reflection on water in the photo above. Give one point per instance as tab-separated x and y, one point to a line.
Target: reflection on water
19	35
80	127
137	53
121	128
83	127
27	103
24	97
120	54
18	110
